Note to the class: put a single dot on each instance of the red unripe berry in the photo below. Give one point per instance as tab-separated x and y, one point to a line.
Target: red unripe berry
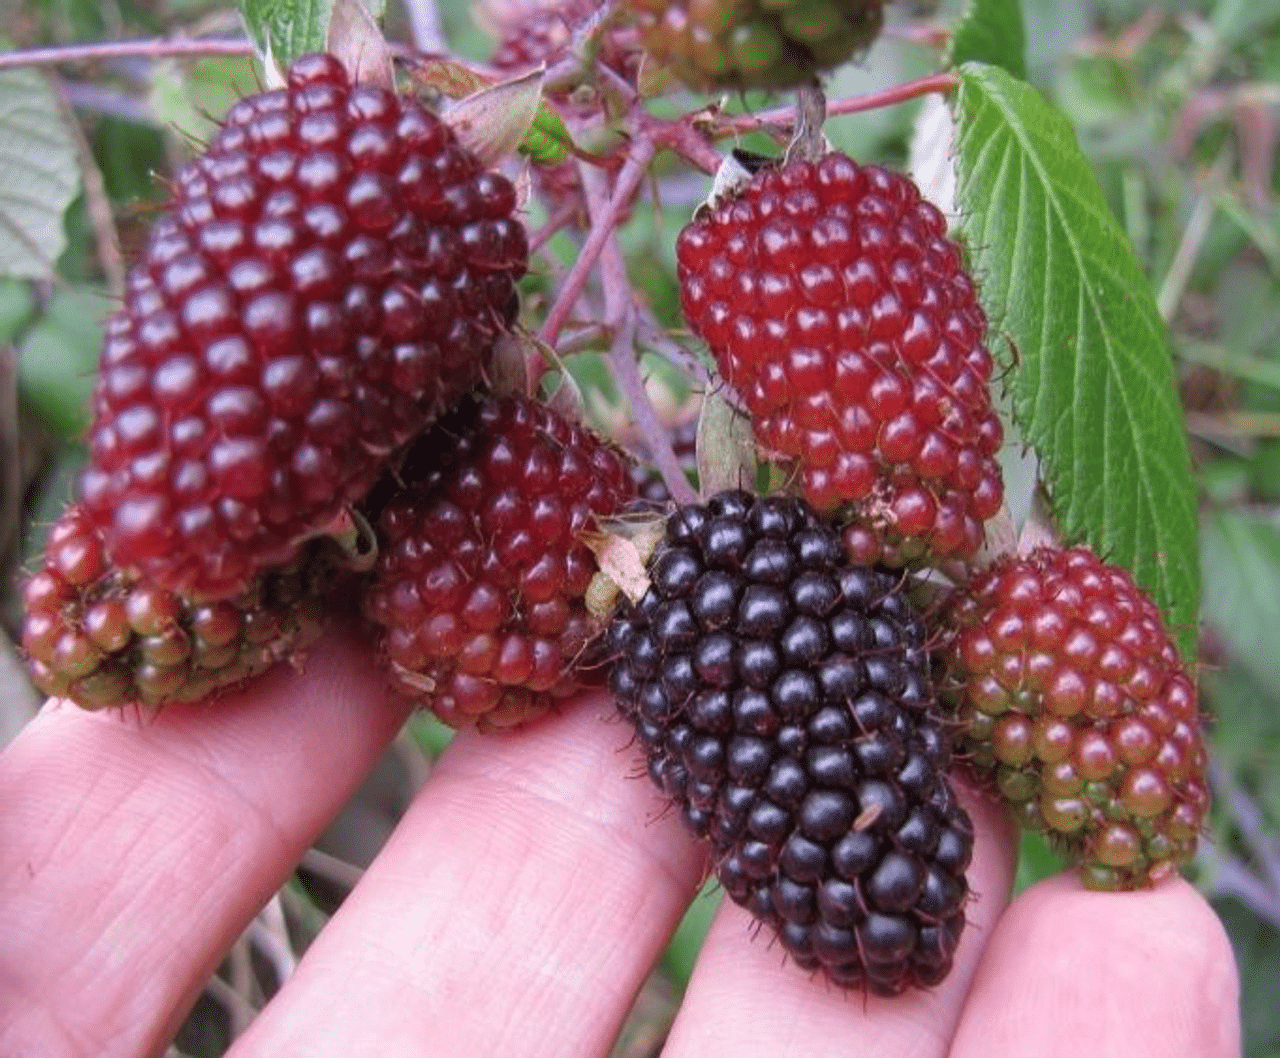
839	310
482	568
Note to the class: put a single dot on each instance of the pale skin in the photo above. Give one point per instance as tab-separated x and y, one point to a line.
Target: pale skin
515	911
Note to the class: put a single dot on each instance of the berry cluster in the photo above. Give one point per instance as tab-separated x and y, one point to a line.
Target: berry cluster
304	343
784	701
333	272
482	569
841	313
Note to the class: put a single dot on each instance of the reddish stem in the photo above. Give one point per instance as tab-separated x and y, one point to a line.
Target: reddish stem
555	223
602	226
123	49
620	316
921	33
785	117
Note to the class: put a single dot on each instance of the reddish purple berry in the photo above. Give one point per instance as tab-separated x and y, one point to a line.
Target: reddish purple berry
332	273
482	570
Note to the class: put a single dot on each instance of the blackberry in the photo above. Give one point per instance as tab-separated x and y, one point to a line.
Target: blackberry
96	636
1076	707
482	571
739	44
333	271
784	701
837	307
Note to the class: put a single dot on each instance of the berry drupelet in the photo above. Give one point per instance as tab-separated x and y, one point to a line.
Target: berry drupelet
333	271
837	307
784	701
97	637
1077	708
482	572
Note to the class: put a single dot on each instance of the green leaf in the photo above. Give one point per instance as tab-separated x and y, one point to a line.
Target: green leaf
58	358
1094	389
1257	946
1241	557
39	175
1037	860
548	140
285	29
991	31
17	307
685	944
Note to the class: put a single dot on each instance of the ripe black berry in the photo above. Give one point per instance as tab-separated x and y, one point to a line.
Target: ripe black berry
784	702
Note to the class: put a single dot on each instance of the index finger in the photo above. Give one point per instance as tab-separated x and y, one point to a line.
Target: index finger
134	849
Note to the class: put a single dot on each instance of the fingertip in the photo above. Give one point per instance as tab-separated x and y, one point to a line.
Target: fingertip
1070	970
747	998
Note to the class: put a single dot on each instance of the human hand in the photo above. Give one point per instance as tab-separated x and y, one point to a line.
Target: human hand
516	909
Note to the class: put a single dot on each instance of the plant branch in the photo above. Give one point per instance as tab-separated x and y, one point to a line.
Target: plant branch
926	35
1249	821
1226	875
581	52
97	203
602	228
123	49
425	25
269	933
655	336
1197	230
339	872
99	99
232	995
785	117
557	222
620	317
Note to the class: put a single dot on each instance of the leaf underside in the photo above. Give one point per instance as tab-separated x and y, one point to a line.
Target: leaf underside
39	175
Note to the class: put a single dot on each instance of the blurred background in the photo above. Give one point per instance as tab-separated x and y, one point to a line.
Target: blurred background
1177	105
